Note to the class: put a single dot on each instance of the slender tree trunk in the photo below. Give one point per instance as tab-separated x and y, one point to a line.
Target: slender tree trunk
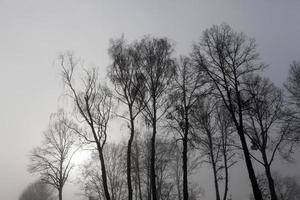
152	164
60	193
136	188
138	171
60	177
226	174
240	129
255	188
184	163
129	185
103	173
178	179
212	157
271	183
140	188
148	180
185	147
216	181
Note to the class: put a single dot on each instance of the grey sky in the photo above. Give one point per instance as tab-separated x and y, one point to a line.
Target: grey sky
33	32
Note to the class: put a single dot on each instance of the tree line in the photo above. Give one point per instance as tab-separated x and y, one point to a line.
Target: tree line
212	107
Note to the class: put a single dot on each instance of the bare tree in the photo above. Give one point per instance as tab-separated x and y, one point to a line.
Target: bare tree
156	67
293	83
264	117
213	136
137	156
225	57
93	104
287	188
37	191
292	87
52	160
168	159
162	164
176	172
185	92
227	142
129	88
90	176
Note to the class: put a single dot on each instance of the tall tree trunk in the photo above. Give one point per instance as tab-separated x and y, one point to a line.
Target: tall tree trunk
184	163
103	173
255	188
60	177
216	181
136	187
226	174
60	193
185	146
137	162
152	164
212	157
240	129
271	183
149	193
129	185
178	181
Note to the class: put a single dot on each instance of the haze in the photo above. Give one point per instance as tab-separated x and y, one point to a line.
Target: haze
34	32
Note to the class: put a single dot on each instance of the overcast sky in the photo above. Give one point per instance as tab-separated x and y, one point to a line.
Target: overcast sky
34	32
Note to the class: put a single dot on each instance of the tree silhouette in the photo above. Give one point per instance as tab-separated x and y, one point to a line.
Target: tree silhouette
152	57
265	112
52	160
287	188
213	137
93	105
186	90
292	87
129	88
90	173
226	57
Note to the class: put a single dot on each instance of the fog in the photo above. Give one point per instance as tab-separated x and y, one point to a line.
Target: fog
34	32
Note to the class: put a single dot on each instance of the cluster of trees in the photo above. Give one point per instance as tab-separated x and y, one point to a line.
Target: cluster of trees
212	106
